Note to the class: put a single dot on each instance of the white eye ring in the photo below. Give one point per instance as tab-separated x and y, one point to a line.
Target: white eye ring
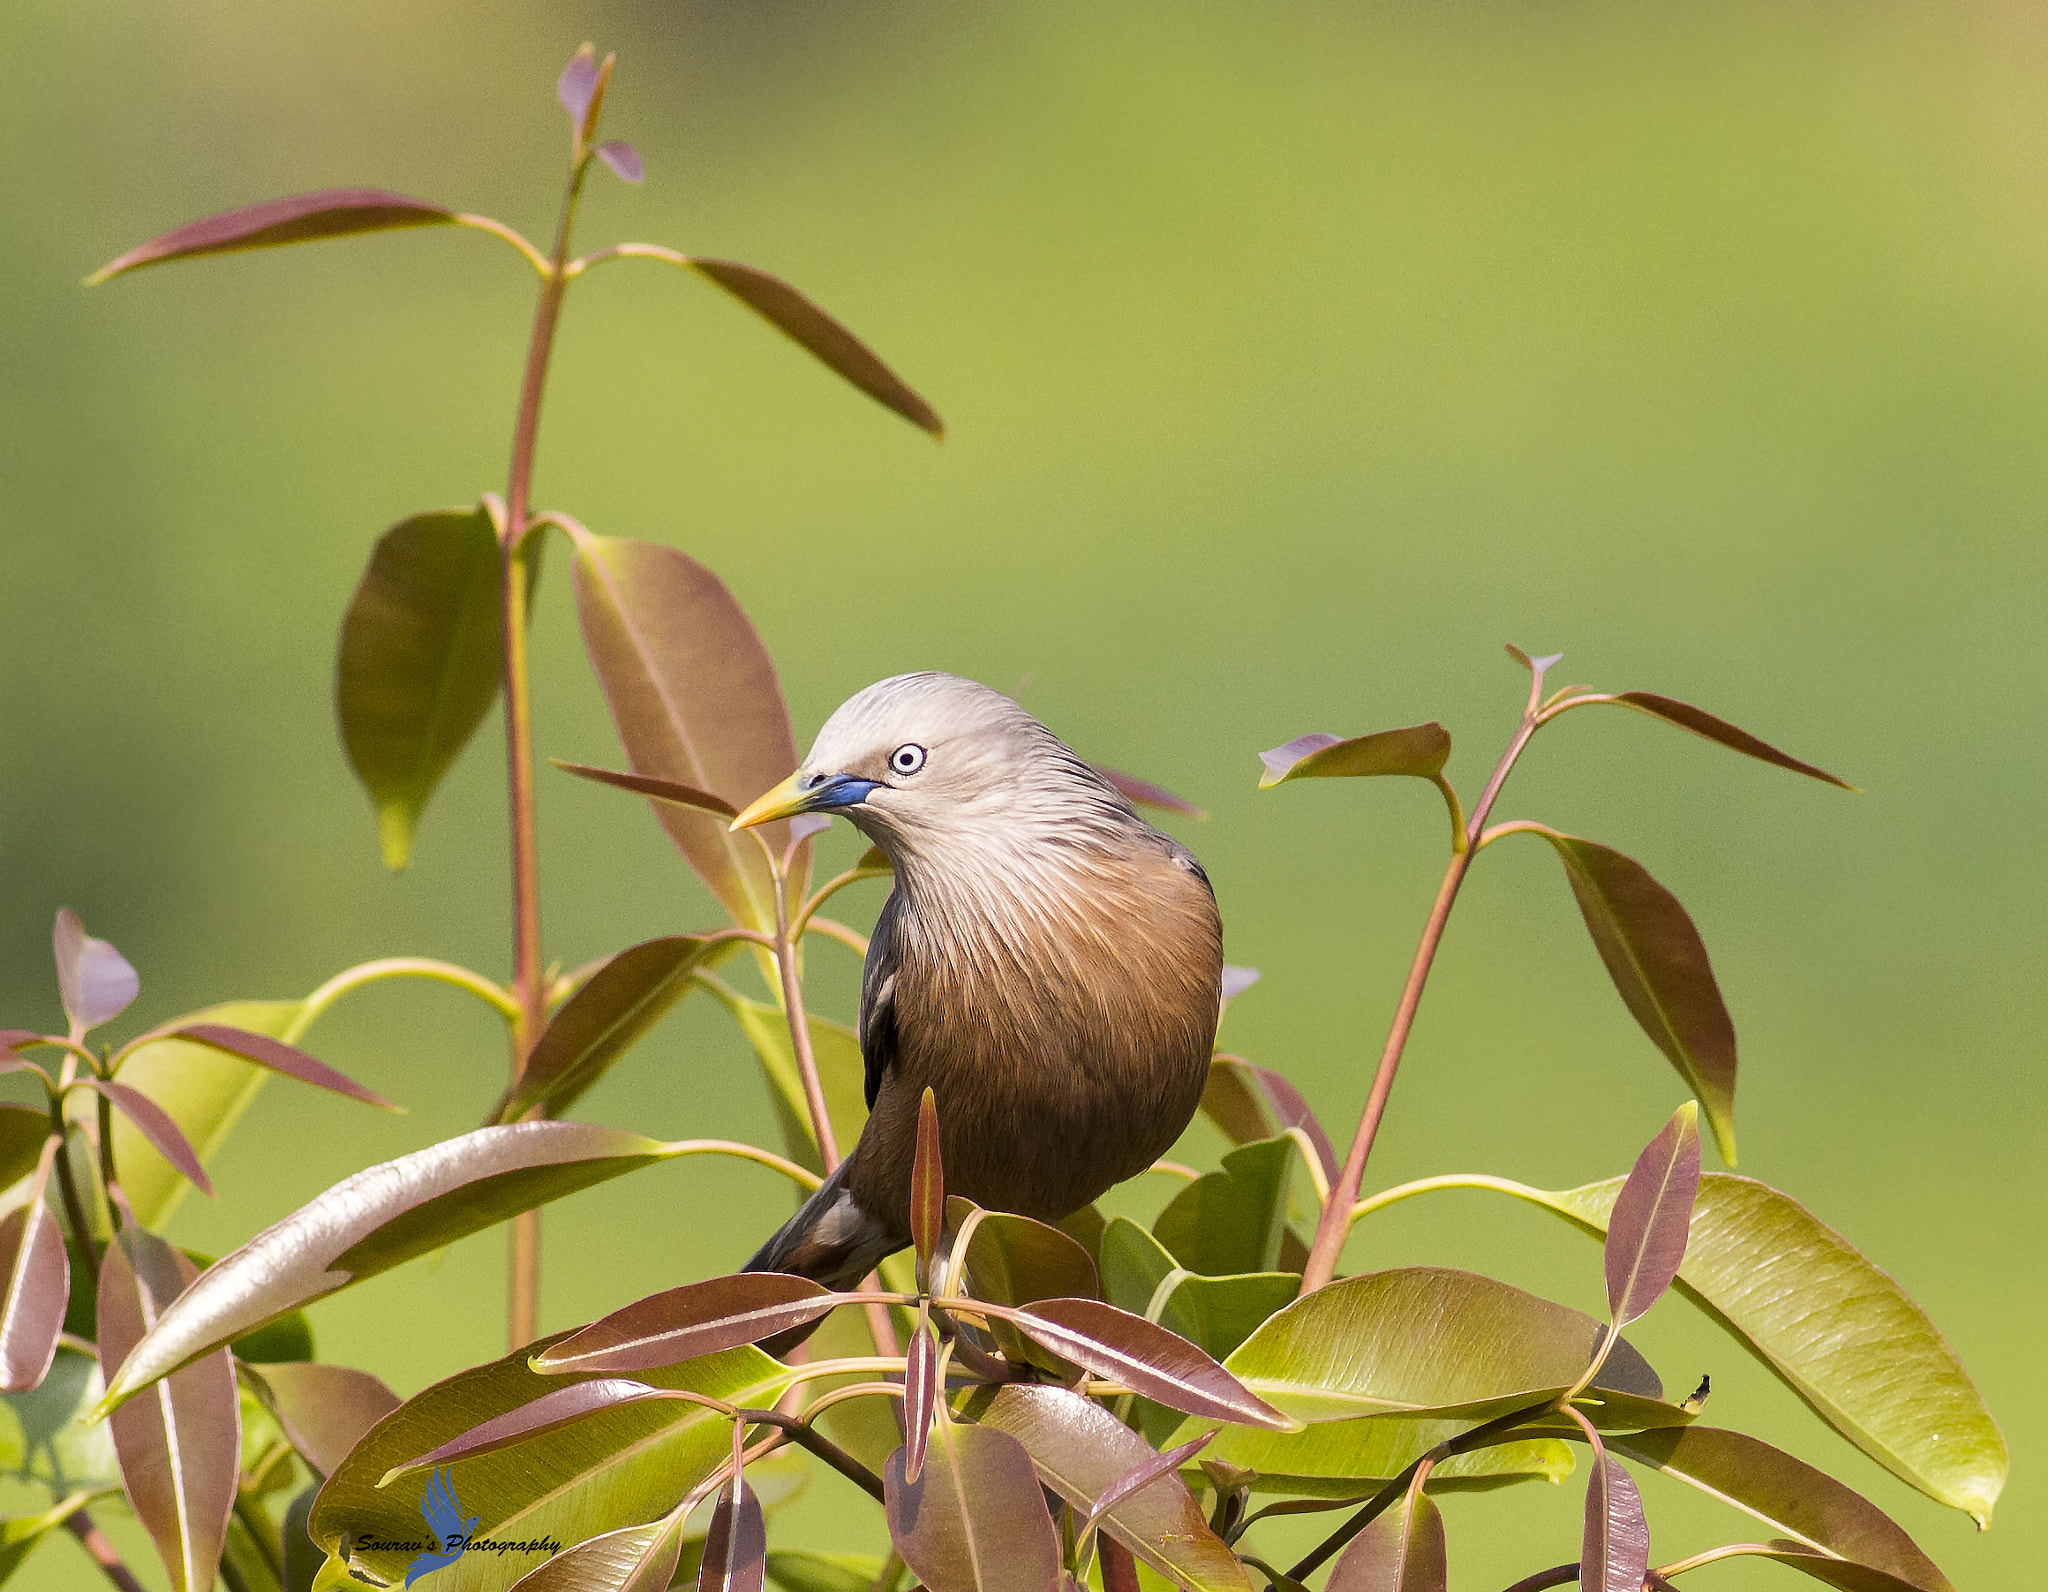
906	759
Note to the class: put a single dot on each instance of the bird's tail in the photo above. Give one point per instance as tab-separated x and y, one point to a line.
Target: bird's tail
831	1240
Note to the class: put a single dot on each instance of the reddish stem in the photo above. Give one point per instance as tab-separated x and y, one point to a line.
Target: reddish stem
94	1541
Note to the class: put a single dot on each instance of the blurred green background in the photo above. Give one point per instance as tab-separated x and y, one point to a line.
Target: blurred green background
1295	357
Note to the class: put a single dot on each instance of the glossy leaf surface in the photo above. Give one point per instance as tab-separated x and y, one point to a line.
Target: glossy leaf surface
783	307
1659	965
927	1188
974	1520
1146	1358
377	1219
632	1559
1420	750
920	1398
736	1547
1230	1221
560	1407
1401	1550
1646	1232
324	1410
301	218
1615	1547
1143	793
1688	717
179	1446
604	1019
36	1272
420	661
1081	1450
1013	1260
694	697
681	1323
94	979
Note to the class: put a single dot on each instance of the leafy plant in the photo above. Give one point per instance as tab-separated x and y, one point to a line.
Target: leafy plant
1029	1406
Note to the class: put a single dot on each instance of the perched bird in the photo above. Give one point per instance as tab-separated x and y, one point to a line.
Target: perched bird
1048	964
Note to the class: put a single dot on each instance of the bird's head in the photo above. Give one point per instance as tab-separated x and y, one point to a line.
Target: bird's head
930	766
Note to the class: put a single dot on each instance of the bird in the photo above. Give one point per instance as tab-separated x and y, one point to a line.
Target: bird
443	1514
1047	963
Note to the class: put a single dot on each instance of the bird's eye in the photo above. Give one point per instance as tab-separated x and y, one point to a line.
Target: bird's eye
907	759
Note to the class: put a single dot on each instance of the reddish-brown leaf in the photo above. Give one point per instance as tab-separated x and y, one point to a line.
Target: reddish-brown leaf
155	1124
551	1411
1150	1360
783	307
37	1275
736	1545
1420	750
920	1398
927	1188
1615	1550
662	790
1402	1550
278	1057
975	1519
94	979
696	1319
1144	1473
1652	1217
1143	793
1688	717
323	1409
301	218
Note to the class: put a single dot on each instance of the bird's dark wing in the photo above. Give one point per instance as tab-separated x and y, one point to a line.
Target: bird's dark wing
877	1024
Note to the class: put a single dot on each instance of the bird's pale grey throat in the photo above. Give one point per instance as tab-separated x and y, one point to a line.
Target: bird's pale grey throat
1047	963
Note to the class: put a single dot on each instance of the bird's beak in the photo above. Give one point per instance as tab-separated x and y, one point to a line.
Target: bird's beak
805	793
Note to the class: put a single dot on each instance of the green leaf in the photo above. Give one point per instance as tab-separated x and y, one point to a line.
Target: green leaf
420	662
180	1448
1134	1264
784	308
45	1438
974	1520
604	1019
22	1132
204	1089
1013	1260
1229	1222
694	696
301	218
1420	750
1840	1333
1081	1450
1652	1216
796	1570
94	979
1219	1313
621	1467
377	1219
1688	717
324	1410
1655	957
21	1536
1401	1550
841	1071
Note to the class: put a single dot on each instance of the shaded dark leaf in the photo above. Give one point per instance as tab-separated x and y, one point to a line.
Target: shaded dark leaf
1646	1231
301	218
1013	1260
1134	1264
94	979
1230	1221
1615	1549
682	1323
623	159
602	1021
1143	793
663	790
1685	716
155	1125
1229	1101
278	1057
1150	1360
1654	955
776	302
420	661
323	1410
1290	1110
23	1131
1402	1550
377	1219
736	1546
920	1398
841	1070
927	1191
36	1272
1420	750
179	1448
974	1520
1850	1577
694	696
302	1556
1219	1313
795	1570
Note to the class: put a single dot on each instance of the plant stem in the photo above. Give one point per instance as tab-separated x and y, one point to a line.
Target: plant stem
316	1004
74	1207
1556	1575
94	1541
529	982
1336	1217
1119	1567
808	1437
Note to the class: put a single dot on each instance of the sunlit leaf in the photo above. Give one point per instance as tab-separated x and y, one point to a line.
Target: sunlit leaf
179	1446
927	1190
1143	1473
604	1019
155	1124
682	1323
631	1559
36	1273
623	159
974	1520
1654	955
693	694
324	1410
420	661
1081	1451
1143	793
796	1570
553	1410
94	979
783	307
1615	1549
1401	1550
1230	1221
1129	1349
302	218
377	1219
1688	717
666	790
1652	1215
277	1057
920	1398
1012	1260
1420	750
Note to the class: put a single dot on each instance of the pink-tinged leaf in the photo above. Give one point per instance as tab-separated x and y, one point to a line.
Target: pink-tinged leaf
37	1275
11	1039
1420	750
324	1410
694	696
1145	1473
1652	1216
577	83
1615	1550
1233	1103
783	307
1148	1359
661	790
1143	793
1688	717
179	1447
155	1124
1290	1110
1402	1550
550	1412
920	1398
736	1545
805	825
623	159
974	1520
1236	980
1659	965
94	979
683	1323
927	1188
276	1055
302	218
